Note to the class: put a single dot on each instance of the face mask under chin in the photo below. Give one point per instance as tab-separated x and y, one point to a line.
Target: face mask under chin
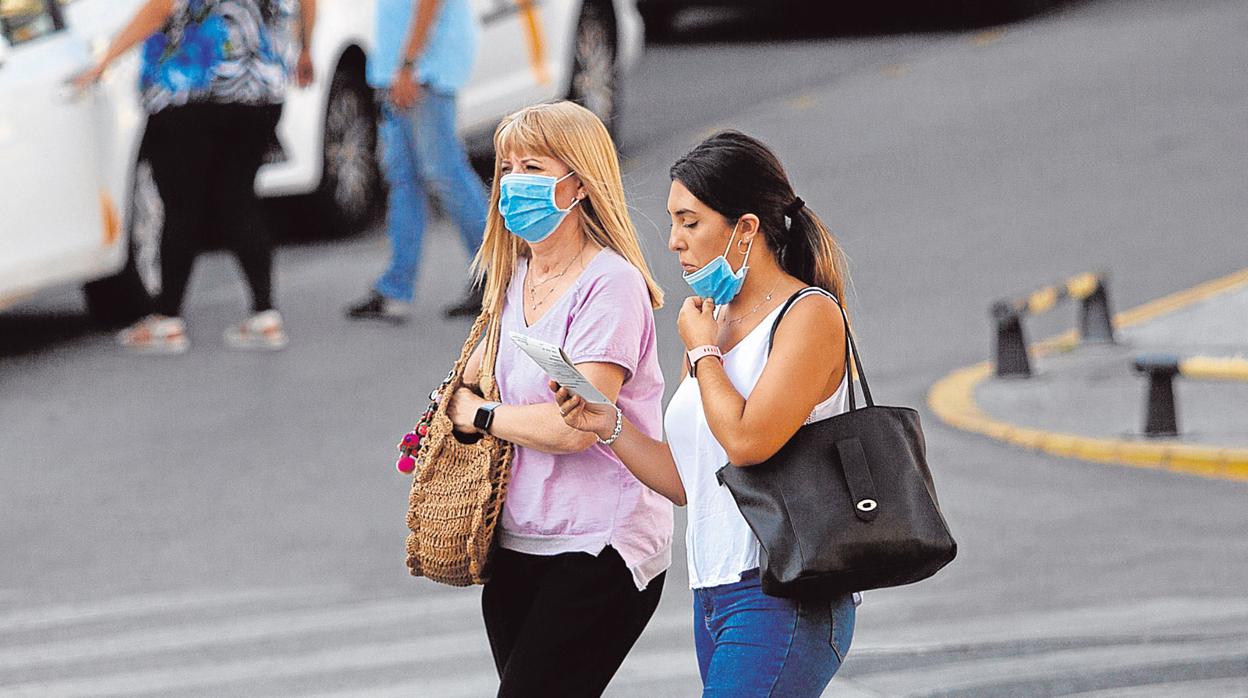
716	280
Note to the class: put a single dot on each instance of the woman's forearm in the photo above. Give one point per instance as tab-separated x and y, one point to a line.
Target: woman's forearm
724	408
150	17
307	22
650	461
539	427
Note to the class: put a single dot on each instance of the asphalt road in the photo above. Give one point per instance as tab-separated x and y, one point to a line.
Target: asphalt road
226	523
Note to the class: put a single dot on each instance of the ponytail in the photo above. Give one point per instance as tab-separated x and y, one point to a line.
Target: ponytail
813	255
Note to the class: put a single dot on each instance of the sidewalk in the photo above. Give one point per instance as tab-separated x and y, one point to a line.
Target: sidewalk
1088	402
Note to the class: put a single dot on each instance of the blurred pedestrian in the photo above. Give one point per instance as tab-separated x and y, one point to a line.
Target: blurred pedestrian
213	81
742	398
583	547
424	55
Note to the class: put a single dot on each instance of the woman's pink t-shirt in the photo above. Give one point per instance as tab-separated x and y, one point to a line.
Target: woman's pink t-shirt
585	501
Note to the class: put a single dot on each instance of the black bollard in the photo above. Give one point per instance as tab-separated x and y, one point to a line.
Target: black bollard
1095	319
1160	419
1012	359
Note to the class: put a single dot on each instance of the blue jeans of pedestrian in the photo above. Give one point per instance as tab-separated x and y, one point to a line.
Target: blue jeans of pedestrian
422	155
750	644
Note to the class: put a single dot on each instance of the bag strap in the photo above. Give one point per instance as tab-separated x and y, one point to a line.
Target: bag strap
851	347
491	328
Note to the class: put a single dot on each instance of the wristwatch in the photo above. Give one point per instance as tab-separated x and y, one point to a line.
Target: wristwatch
697	353
484	418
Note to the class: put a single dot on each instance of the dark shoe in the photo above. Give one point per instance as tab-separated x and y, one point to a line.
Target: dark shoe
470	305
378	307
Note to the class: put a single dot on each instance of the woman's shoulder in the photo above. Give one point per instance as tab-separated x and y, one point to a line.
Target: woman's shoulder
609	267
609	282
812	308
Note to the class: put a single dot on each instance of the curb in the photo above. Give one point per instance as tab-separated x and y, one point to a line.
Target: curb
952	398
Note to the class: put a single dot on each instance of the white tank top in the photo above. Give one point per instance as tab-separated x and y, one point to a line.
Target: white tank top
718	542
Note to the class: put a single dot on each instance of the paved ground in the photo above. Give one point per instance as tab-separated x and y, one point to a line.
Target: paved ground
231	524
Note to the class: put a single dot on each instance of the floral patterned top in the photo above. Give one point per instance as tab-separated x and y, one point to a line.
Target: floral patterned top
226	51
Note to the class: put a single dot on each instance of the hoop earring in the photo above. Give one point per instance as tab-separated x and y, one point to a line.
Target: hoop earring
747	247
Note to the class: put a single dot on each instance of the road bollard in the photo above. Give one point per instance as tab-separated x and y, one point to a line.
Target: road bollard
1160	419
1095	318
1012	361
1096	323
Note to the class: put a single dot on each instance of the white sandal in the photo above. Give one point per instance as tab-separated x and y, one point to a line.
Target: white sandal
155	334
262	331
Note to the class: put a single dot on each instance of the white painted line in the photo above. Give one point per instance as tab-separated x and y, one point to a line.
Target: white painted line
467	648
983	674
1150	616
1210	688
236	631
150	604
409	653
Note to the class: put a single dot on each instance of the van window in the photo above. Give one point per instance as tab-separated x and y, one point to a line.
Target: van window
22	21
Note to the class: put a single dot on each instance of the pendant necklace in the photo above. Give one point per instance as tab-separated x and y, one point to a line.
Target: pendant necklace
735	320
543	282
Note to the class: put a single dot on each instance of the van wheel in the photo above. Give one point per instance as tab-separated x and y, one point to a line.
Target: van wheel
595	76
126	296
350	190
659	20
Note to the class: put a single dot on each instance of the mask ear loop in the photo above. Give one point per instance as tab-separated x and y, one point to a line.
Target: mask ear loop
575	200
730	239
749	247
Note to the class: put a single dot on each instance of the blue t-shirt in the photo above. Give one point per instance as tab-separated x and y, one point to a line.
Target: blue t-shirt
450	48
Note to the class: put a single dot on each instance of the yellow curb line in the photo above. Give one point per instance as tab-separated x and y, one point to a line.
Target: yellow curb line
952	398
1211	368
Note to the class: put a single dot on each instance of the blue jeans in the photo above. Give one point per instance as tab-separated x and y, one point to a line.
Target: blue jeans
421	155
751	644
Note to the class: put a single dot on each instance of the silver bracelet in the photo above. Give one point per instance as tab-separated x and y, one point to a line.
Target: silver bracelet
619	427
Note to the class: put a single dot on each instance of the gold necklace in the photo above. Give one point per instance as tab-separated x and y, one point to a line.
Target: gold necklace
533	287
755	309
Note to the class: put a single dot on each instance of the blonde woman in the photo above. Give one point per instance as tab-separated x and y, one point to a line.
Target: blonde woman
583	546
748	245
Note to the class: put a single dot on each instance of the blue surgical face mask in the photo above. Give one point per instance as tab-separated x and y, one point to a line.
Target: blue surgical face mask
716	280
527	204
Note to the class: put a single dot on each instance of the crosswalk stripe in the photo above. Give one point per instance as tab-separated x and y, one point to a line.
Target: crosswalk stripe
1212	688
235	631
1148	616
469	648
363	656
1043	666
150	604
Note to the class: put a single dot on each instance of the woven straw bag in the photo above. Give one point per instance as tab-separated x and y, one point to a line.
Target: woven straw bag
458	488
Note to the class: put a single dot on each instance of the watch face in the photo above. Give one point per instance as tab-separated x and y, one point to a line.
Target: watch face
484	416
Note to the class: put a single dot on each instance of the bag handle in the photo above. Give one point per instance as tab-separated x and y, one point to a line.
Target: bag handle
486	325
851	347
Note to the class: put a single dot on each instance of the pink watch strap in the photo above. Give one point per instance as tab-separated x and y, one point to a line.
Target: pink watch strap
702	352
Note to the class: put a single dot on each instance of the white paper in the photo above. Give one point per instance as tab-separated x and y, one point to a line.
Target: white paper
556	364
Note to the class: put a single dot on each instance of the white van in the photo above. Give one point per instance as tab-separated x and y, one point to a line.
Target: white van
77	203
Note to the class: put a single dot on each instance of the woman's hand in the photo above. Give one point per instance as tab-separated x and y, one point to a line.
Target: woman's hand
696	322
304	70
584	416
463	410
85	79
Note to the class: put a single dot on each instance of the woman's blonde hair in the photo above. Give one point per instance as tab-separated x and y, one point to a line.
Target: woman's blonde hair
576	137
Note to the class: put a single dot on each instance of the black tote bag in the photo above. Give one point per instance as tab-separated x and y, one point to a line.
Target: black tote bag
848	503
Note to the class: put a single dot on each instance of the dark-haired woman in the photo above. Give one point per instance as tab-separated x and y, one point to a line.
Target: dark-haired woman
747	244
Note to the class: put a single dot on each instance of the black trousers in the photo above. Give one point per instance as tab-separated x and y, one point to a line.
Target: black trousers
561	625
204	159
